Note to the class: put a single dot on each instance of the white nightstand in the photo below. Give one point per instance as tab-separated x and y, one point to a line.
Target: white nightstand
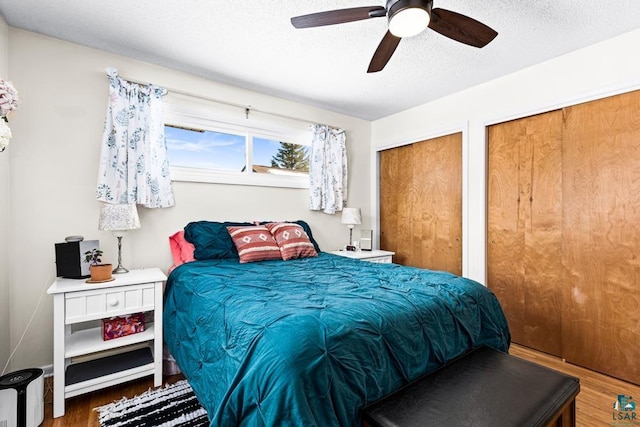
376	255
78	308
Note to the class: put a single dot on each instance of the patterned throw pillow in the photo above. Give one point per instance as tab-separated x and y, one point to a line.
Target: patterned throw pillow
254	243
292	240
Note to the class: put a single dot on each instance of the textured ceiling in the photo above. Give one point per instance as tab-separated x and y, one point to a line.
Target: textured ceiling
252	44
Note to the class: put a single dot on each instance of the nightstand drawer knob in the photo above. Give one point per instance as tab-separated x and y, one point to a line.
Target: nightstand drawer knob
113	302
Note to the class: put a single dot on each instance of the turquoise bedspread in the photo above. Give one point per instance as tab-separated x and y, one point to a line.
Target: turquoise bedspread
309	342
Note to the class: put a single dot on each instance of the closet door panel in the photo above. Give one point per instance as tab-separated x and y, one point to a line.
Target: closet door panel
437	181
505	249
524	227
421	203
395	224
543	239
601	243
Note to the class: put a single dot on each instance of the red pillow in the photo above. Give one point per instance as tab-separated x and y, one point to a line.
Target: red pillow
181	250
292	240
254	243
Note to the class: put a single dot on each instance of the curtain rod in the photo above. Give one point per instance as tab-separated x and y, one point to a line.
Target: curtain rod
247	108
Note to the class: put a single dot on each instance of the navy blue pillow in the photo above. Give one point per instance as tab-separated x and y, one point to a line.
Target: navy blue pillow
212	241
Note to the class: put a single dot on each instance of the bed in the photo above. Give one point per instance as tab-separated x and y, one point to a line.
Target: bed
310	341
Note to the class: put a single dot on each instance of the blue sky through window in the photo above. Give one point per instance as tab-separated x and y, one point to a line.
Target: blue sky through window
264	150
205	150
215	150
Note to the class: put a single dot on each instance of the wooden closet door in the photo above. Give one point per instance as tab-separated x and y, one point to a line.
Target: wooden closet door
395	201
524	259
421	203
601	242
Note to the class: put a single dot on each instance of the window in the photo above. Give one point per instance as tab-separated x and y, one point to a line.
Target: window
204	150
272	156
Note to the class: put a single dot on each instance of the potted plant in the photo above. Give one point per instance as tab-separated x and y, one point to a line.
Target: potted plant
99	272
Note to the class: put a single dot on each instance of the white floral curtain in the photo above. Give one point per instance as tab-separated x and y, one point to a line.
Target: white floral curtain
134	168
328	169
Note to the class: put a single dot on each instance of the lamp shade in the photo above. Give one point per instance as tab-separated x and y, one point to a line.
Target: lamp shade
351	216
118	217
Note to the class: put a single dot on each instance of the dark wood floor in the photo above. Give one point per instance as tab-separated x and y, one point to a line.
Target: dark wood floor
594	404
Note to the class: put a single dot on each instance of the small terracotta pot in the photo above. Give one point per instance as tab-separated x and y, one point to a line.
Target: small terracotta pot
100	272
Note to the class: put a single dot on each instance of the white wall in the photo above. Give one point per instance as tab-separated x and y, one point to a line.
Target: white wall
55	153
600	70
4	212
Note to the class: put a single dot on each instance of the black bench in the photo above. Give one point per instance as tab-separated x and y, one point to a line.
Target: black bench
483	388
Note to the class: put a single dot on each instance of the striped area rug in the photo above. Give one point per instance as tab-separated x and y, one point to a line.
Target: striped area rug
174	405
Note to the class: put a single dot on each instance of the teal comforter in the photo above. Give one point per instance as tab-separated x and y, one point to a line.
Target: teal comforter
309	342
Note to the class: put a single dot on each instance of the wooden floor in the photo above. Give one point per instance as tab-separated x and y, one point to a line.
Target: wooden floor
594	404
79	411
598	393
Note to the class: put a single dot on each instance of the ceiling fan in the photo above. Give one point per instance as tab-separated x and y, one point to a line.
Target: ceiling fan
407	18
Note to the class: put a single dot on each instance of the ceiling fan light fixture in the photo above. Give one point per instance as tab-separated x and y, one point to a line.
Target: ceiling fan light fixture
408	18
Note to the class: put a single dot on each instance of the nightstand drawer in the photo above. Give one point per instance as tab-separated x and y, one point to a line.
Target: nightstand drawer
91	305
376	255
380	260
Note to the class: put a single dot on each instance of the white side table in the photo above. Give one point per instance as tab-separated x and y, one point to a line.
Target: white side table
376	255
76	307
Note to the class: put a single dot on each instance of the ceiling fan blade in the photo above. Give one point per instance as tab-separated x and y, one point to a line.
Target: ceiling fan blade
461	28
339	16
384	52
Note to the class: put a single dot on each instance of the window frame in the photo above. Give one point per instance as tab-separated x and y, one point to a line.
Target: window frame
189	118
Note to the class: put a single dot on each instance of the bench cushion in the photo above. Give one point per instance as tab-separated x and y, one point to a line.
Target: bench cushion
483	388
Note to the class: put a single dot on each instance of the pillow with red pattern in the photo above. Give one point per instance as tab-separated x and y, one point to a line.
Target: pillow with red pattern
254	243
292	240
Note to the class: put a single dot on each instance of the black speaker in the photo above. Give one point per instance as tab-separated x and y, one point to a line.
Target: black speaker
70	261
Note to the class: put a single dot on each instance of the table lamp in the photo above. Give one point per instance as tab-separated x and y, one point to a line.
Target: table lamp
351	217
118	219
